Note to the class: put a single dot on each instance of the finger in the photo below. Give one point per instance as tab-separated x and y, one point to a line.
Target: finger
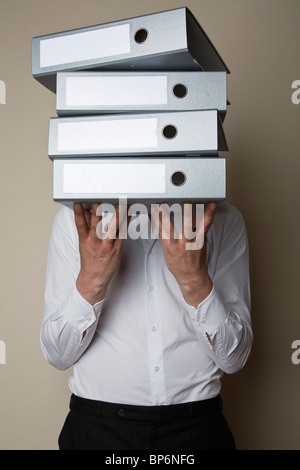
209	216
113	223
80	221
123	221
116	222
123	227
187	221
168	228
95	220
194	226
156	216
87	214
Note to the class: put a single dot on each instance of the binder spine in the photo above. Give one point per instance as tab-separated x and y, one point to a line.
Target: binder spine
198	132
143	179
80	93
158	41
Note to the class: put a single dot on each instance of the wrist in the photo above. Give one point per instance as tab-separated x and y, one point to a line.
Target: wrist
195	290
90	288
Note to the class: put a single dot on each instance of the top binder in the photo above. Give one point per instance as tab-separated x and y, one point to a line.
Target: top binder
169	40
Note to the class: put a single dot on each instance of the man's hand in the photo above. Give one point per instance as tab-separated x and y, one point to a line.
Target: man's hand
188	266
100	256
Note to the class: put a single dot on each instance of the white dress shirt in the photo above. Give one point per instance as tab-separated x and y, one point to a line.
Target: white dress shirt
143	344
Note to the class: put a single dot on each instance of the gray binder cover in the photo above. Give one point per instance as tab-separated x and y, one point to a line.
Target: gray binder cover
169	40
194	132
116	92
148	180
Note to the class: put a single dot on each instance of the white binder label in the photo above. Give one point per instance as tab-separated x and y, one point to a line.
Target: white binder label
107	134
93	178
116	91
88	45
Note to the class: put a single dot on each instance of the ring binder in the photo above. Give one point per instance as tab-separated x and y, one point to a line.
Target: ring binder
169	40
157	134
140	105
80	93
139	179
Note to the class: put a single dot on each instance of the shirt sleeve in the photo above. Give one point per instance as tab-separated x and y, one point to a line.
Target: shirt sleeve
69	321
222	321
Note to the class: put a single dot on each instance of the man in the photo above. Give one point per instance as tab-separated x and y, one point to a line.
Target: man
150	327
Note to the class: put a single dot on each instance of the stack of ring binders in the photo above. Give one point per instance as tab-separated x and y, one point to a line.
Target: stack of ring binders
140	104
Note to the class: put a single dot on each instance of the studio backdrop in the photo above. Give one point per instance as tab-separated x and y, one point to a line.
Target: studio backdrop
259	41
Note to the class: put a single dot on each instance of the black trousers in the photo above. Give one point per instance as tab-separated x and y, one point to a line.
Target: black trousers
94	425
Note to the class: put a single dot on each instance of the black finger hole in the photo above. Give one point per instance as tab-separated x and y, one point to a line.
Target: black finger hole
178	178
169	131
180	90
141	36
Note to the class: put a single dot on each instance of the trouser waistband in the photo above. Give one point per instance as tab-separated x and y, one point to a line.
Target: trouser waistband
145	413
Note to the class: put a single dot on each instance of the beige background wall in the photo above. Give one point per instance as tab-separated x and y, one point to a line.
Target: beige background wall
259	40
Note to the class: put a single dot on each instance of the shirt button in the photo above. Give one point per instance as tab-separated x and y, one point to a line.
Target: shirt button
156	369
151	288
153	329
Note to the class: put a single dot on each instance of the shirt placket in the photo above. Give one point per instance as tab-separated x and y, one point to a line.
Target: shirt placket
154	330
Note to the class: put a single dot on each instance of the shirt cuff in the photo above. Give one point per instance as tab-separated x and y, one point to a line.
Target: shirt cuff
79	313
210	313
